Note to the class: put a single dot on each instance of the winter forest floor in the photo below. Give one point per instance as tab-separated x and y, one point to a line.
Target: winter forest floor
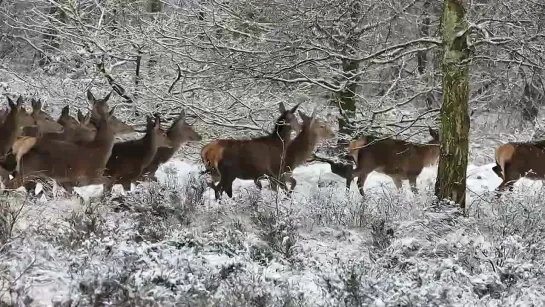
170	243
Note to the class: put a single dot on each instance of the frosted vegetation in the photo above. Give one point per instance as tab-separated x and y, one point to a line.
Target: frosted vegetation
228	64
170	243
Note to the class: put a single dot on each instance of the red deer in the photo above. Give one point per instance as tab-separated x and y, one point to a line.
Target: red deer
301	149
254	160
67	163
396	158
130	158
120	127
43	120
252	154
178	133
10	129
519	159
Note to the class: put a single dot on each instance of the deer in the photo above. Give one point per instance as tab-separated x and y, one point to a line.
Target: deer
43	120
252	151
516	160
120	127
130	158
252	160
67	163
10	129
74	132
179	133
396	158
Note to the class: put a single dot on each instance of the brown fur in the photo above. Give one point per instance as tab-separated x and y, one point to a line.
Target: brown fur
98	108
249	159
516	160
22	146
303	145
396	158
130	158
68	163
178	133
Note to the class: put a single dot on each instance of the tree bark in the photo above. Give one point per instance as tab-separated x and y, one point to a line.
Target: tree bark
451	176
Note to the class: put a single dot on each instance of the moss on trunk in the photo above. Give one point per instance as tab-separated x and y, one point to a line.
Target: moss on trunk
451	176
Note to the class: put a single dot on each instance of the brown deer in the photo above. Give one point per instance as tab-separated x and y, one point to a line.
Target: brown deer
252	160
9	130
301	149
251	152
44	121
519	159
130	158
67	163
120	127
396	158
178	133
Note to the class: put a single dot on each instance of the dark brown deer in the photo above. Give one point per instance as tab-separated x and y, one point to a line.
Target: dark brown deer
179	133
252	154
253	160
519	159
130	158
67	163
396	158
44	121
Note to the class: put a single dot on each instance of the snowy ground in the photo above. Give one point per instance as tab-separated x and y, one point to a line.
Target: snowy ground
172	244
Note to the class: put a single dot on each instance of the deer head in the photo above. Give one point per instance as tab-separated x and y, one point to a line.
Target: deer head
180	131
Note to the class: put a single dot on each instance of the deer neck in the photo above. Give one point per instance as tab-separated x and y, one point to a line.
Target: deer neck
149	143
301	148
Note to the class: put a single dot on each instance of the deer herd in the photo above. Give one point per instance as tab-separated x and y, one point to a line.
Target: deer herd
83	151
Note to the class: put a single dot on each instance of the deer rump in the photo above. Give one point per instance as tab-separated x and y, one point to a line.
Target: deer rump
516	160
394	157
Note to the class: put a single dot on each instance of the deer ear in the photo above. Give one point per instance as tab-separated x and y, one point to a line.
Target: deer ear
157	123
282	107
80	116
112	110
36	104
91	97
11	103
182	116
294	108
304	117
105	99
20	101
65	111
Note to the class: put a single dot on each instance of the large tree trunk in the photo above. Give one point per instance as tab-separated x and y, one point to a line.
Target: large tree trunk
451	176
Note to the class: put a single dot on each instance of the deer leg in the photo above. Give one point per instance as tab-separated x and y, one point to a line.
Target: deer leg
126	186
362	177
398	182
506	184
258	183
412	183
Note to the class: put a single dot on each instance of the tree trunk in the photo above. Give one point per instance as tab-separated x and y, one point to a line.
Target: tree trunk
346	99
155	6
451	176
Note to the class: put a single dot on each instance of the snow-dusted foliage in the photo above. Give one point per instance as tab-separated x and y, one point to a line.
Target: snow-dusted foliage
169	243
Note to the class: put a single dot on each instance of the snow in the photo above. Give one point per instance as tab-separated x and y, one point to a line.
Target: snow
335	237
